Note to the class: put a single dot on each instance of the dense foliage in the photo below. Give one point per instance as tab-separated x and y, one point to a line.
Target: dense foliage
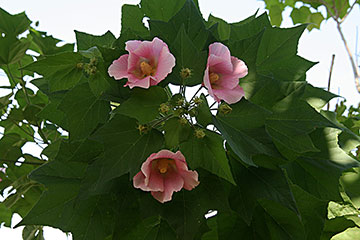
273	166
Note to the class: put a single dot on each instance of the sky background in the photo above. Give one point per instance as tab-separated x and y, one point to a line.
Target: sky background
61	18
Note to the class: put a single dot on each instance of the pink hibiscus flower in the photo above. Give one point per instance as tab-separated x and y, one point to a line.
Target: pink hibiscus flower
164	173
222	74
147	63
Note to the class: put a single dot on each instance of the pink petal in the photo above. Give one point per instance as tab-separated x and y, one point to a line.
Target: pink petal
132	45
229	81
190	179
220	50
207	84
240	68
118	68
150	50
133	63
155	181
135	82
162	154
166	62
173	183
219	65
139	181
230	95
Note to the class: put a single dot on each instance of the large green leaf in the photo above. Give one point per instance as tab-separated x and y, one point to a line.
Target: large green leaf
13	24
11	50
143	104
208	153
161	10
85	41
60	70
122	141
175	133
194	26
131	18
83	111
48	44
258	183
187	56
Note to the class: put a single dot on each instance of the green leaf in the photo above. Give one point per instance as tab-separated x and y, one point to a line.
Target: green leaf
60	70
11	50
350	180
85	41
32	232
318	172
223	27
275	13
316	20
194	26
175	133
288	225
317	97
48	44
187	56
258	183
348	234
160	10
207	153
313	212
122	141
238	128
13	24
204	116
83	111
131	18
301	15
143	104
5	215
277	54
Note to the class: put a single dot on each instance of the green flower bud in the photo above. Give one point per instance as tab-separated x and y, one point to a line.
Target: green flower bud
142	128
198	100
225	109
199	133
183	121
185	73
164	108
193	112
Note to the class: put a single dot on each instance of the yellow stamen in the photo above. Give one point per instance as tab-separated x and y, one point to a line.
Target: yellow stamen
146	68
214	77
163	164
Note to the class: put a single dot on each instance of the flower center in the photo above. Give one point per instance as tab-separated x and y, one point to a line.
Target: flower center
146	69
214	77
163	165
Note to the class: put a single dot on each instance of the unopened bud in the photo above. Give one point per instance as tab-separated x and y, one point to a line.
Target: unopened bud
164	108
225	109
198	100
183	121
93	70
93	61
80	66
142	128
179	111
180	102
185	73
192	112
199	133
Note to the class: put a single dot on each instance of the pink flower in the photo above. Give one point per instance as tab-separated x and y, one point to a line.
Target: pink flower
164	173
147	63
222	74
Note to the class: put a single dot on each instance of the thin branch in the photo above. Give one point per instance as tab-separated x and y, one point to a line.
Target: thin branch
329	81
348	12
353	65
42	134
196	93
11	161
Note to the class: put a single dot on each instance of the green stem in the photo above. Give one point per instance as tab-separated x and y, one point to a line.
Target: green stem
157	122
10	161
196	93
22	82
42	135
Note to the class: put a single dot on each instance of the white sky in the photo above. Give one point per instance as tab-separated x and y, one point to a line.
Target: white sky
61	18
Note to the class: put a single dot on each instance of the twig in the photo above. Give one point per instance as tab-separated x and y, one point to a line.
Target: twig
329	81
351	8
354	67
212	105
30	163
41	133
196	93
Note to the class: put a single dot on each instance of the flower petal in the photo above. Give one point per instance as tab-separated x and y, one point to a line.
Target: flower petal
219	65
139	181
230	95
240	68
173	183
118	68
207	84
135	82
219	50
165	64
190	179
132	45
